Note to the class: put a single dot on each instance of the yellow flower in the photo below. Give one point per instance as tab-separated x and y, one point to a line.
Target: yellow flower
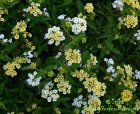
73	56
89	7
34	9
94	103
126	76
57	110
10	67
92	61
129	21
62	85
34	106
92	85
29	109
126	95
16	36
137	105
132	3
20	28
81	74
33	65
2	12
51	74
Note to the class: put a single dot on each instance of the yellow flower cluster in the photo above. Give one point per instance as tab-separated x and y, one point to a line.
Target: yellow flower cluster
93	85
92	61
62	85
126	76
34	106
137	105
57	110
89	7
81	74
126	95
129	21
61	70
80	15
73	56
132	3
88	110
30	45
33	65
68	24
3	11
94	102
20	28
51	73
34	9
10	67
76	111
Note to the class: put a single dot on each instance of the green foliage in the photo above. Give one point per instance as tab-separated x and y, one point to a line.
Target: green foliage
104	38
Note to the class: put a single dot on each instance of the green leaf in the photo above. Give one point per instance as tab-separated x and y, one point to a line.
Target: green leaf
11	47
85	56
1	87
115	50
92	25
80	6
66	2
2	106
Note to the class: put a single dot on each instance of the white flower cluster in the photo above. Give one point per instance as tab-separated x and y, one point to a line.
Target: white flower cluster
80	25
58	55
32	80
79	102
92	61
5	39
110	68
137	74
29	56
49	93
45	12
118	4
137	35
61	17
34	9
54	35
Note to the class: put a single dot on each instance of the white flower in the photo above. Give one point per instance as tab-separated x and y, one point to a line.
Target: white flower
79	102
49	93
114	75
54	35
1	36
137	35
80	25
49	99
60	17
137	74
10	40
80	97
32	80
68	19
109	61
110	69
25	9
118	4
58	55
29	55
111	79
5	40
28	60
